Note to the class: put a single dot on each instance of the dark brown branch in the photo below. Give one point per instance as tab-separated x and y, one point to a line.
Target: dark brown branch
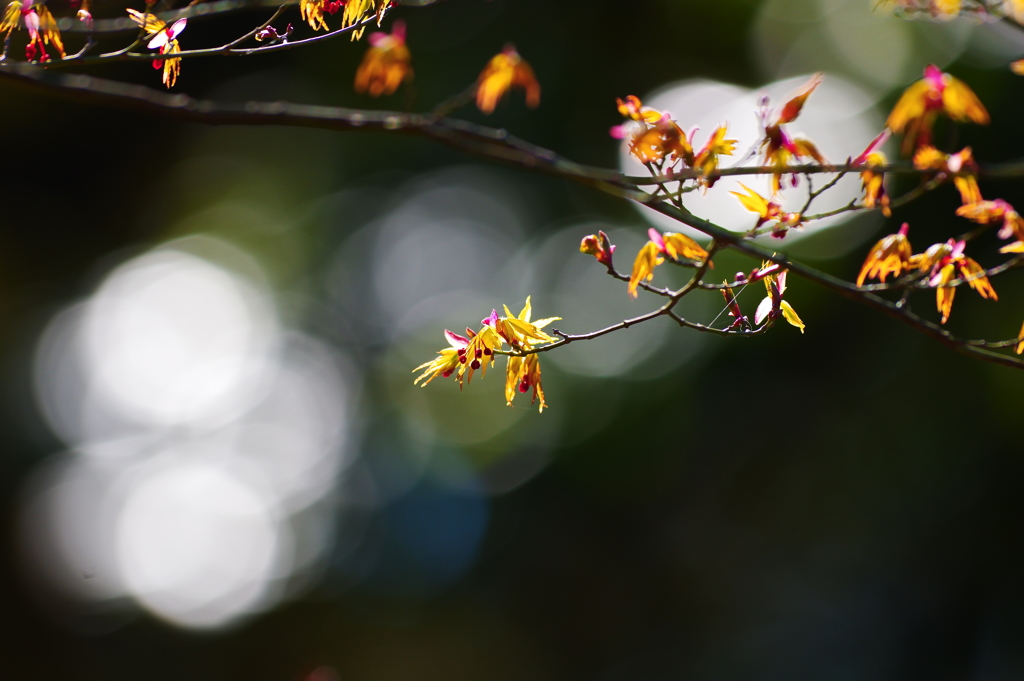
495	144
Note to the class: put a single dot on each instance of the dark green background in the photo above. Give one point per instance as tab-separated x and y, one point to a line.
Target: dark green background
846	504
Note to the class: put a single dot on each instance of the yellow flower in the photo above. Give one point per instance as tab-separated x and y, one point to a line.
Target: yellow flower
505	71
357	10
755	203
479	353
521	374
891	255
633	109
519	332
920	104
707	159
164	39
647	259
675	246
312	11
477	350
447	361
1020	342
767	211
386	64
654	136
772	306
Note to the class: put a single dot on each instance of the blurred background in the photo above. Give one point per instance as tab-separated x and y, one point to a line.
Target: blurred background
215	464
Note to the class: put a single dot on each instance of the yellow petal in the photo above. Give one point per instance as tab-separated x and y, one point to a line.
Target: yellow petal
643	267
791	316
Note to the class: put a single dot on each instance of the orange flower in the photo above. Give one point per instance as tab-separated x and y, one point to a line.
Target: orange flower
872	182
922	102
777	146
948	262
988	212
505	71
928	157
654	136
891	255
386	64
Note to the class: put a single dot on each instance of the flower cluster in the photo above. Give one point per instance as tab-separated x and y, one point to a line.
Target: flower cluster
655	138
477	350
941	265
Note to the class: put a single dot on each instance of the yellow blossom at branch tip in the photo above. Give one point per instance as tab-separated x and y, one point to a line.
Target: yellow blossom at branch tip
503	72
1020	342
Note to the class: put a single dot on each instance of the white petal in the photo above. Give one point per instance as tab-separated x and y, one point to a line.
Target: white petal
178	27
762	310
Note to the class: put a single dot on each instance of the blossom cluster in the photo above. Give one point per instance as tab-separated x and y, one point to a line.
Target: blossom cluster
477	350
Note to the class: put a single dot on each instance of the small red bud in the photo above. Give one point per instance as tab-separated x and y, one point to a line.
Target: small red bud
475	364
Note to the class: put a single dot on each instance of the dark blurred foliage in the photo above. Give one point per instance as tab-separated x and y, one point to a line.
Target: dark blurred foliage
841	505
